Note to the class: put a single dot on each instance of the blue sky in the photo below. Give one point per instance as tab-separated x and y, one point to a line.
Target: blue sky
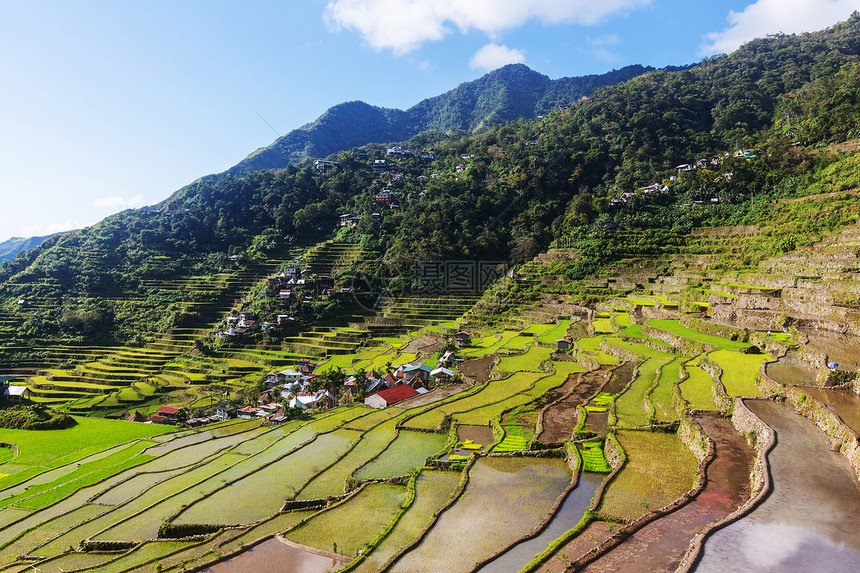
106	105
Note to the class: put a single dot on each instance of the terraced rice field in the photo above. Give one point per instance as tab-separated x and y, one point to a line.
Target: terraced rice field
367	485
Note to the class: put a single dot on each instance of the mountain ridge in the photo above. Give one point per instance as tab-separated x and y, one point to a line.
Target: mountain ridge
506	94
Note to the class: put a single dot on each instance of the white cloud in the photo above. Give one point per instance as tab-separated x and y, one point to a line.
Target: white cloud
404	25
494	56
607	40
119	203
136	202
49	228
764	17
600	48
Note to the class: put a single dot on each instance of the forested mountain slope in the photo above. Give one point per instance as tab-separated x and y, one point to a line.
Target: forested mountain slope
504	194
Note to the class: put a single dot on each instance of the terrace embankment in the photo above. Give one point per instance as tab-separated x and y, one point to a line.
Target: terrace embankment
660	545
808	522
559	418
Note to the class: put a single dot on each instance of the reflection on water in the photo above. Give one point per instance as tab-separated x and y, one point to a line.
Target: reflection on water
791	370
568	515
810	519
839	348
843	403
478	434
275	556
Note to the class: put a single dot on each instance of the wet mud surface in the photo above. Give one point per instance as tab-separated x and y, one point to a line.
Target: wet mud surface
809	522
479	368
661	544
839	348
560	418
791	370
567	516
592	536
843	403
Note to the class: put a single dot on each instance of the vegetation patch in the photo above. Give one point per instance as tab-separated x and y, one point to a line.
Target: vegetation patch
406	453
659	470
593	459
740	371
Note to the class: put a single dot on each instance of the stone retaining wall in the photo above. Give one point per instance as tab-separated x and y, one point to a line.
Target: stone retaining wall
721	398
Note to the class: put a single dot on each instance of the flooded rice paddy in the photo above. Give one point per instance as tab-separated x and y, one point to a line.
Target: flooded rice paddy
791	370
276	556
567	516
839	348
843	403
808	522
661	544
505	499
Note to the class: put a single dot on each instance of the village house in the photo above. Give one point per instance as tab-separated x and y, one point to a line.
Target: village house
442	375
169	412
288	376
390	396
226	409
420	371
348	220
324	166
463	338
562	344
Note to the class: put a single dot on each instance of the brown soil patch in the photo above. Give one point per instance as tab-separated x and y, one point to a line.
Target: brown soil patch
661	544
479	368
560	418
592	536
424	344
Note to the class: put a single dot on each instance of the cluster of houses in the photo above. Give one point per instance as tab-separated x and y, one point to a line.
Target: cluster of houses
290	285
292	388
376	389
398	151
627	197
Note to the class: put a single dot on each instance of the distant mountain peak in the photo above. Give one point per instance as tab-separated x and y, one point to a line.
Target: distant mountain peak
505	94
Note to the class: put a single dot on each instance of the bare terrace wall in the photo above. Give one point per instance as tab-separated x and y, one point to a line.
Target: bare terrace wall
722	330
659	311
721	398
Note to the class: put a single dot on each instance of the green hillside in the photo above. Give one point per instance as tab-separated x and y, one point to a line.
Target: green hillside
647	307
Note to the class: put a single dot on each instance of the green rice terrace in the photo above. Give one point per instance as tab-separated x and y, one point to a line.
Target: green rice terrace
630	435
639	431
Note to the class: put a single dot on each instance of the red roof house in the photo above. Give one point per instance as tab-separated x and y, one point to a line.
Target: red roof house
389	396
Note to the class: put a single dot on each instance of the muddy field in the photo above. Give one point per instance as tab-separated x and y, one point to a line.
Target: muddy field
478	369
560	418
